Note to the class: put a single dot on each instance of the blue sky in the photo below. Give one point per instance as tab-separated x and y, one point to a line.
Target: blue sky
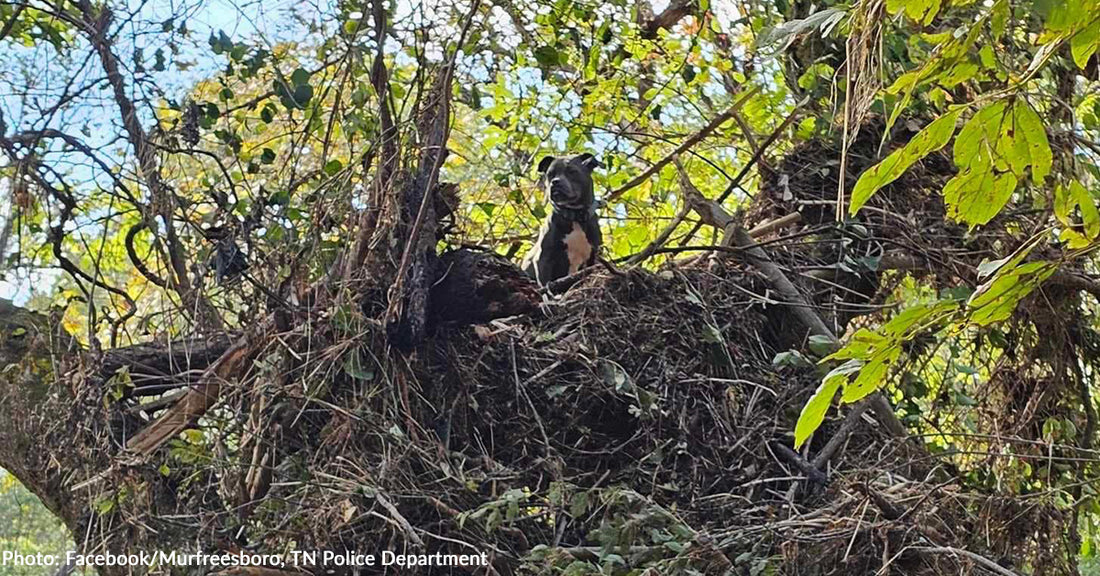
248	20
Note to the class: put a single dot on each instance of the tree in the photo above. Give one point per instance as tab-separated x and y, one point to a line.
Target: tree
266	328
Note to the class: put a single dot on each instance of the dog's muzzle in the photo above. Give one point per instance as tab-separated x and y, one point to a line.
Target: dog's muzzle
562	194
559	191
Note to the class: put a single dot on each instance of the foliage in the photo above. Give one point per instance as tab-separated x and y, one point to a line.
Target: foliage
1003	142
271	144
28	528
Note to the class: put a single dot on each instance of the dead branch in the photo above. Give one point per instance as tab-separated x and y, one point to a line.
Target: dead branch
985	562
676	11
390	154
406	314
756	157
184	413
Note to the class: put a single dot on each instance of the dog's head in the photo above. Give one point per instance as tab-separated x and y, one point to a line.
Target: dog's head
568	180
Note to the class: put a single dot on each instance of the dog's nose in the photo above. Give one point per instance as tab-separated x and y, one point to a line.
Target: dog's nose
558	187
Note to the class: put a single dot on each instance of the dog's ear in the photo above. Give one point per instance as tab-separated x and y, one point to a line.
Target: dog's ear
588	161
544	164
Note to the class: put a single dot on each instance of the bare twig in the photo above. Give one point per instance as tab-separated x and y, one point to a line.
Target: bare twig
163	202
985	562
736	182
684	146
840	436
795	459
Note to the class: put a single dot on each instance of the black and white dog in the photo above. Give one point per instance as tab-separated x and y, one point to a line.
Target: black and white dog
570	236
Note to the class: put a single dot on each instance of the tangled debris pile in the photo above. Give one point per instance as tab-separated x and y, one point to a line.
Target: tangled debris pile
641	425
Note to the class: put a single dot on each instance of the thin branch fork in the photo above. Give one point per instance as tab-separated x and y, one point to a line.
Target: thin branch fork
756	157
657	245
389	157
683	147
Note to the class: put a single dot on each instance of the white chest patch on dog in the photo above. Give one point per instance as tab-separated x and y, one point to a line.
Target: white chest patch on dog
578	248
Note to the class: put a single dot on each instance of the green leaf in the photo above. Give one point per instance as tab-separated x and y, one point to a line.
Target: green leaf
995	300
994	141
999	18
302	95
791	358
922	11
928	140
872	375
1089	214
615	375
822	345
268	156
711	334
104	506
813	413
904	323
860	346
547	56
592	63
1066	198
299	77
487	207
1030	127
979	135
332	167
959	73
1084	44
976	196
989	61
579	504
1064	15
988	267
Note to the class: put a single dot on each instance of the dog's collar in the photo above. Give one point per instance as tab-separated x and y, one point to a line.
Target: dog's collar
575	214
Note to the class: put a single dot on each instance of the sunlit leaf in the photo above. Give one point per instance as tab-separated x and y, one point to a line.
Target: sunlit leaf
995	300
976	196
1084	44
1030	127
933	137
813	412
872	375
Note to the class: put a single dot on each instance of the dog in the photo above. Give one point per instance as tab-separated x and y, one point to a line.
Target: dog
570	236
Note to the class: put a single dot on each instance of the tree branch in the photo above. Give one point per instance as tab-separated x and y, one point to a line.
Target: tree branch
683	147
162	200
